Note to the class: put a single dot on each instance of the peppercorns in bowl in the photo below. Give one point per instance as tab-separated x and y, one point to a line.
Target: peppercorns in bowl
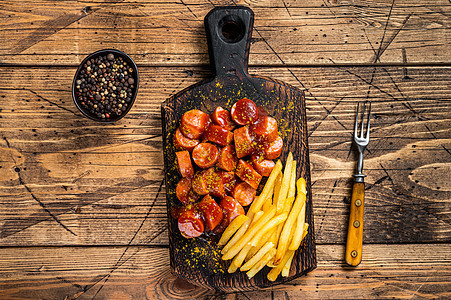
105	85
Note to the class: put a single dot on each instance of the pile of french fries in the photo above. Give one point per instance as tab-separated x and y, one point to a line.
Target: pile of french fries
273	228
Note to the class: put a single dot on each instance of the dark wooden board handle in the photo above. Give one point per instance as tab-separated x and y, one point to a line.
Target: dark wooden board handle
355	226
229	31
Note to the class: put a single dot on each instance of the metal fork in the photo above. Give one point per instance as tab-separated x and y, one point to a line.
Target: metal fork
355	226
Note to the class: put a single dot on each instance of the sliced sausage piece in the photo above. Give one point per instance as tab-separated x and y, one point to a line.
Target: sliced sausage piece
231	209
228	179
183	188
177	211
265	129
190	224
184	143
221	117
227	158
218	135
199	184
244	193
274	149
184	163
205	155
261	165
244	141
244	112
214	183
246	173
186	197
193	123
211	211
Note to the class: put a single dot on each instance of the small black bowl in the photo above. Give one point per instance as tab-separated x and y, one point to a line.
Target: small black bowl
84	110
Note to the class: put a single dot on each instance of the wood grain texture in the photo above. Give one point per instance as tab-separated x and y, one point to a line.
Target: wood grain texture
287	31
102	181
198	260
387	271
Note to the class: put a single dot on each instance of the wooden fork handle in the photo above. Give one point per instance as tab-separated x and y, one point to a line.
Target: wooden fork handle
355	227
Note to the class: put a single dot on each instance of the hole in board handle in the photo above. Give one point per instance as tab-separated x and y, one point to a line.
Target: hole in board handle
231	29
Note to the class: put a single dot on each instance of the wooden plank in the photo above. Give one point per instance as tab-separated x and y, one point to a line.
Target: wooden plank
387	271
158	32
101	182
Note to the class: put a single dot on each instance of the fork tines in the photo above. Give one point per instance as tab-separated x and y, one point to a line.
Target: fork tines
367	135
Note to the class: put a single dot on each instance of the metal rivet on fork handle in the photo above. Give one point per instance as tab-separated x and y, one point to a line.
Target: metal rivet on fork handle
354	253
358	202
356	224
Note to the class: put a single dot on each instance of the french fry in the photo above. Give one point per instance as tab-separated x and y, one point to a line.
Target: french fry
249	234
291	196
305	231
285	183
232	268
239	233
286	268
257	216
232	228
268	201
274	273
259	265
256	205
297	235
277	186
239	258
302	185
292	189
287	227
252	219
274	239
277	235
265	238
278	231
258	256
266	205
268	226
288	204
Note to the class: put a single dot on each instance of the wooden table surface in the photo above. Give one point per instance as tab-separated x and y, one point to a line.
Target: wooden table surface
82	207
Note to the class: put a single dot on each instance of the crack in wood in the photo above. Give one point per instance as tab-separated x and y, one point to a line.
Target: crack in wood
392	37
187	6
118	264
327	204
404	61
328	7
433	135
124	143
286	296
85	173
43	206
288	11
289	70
324	118
379	53
94	196
51	102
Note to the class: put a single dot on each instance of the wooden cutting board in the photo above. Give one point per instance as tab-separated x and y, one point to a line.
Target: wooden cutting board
229	32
